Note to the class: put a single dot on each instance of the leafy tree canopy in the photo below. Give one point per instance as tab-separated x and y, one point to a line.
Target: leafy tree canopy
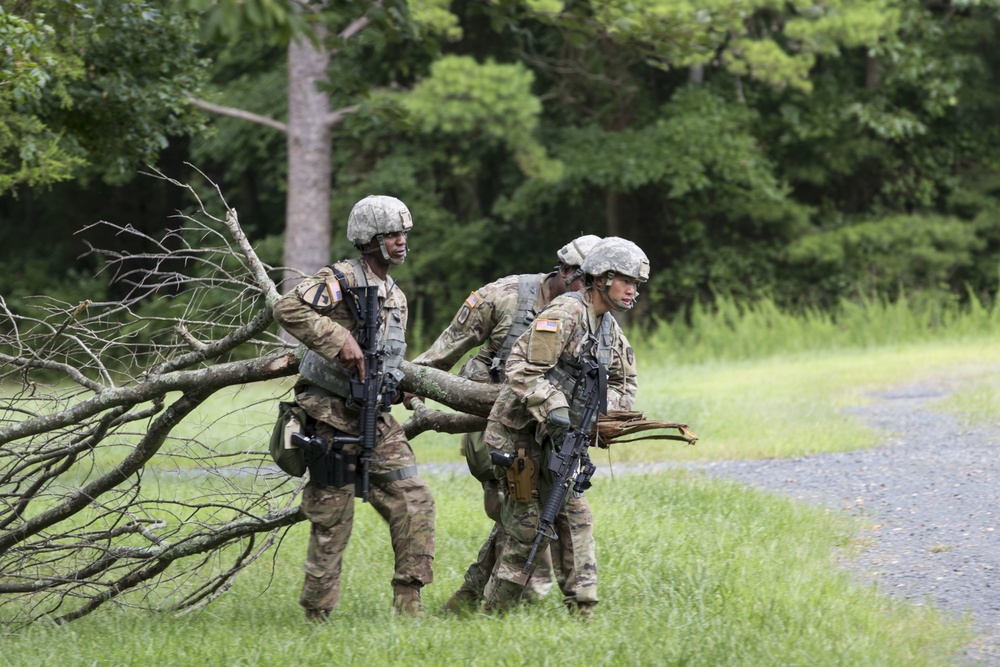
92	88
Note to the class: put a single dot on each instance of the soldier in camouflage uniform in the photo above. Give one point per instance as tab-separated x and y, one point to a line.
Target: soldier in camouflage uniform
536	407
318	313
493	317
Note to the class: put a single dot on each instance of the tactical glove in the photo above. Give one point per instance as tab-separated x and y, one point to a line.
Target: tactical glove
557	423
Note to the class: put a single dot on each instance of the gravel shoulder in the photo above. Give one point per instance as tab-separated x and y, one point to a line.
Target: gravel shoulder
931	497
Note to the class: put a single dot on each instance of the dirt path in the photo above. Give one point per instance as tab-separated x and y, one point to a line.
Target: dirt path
932	497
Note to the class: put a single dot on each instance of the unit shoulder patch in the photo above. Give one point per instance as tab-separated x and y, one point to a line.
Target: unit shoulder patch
323	295
463	314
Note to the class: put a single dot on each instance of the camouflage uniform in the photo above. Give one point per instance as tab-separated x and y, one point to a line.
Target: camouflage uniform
565	329
485	319
311	314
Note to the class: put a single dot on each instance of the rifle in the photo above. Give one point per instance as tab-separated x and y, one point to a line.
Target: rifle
374	394
369	397
570	462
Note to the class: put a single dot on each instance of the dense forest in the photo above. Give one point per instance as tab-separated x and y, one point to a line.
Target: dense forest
803	151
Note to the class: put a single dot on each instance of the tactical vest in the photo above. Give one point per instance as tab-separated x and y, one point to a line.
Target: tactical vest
566	372
528	285
331	375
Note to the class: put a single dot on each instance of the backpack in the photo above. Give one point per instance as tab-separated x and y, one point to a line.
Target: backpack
291	419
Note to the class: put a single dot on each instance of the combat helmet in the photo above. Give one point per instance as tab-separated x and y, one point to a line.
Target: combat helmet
574	252
616	255
374	216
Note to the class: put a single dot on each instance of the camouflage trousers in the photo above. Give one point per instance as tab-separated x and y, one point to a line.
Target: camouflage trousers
478	573
573	551
406	505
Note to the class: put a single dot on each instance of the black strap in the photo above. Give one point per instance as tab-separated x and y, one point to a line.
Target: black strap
394	475
352	303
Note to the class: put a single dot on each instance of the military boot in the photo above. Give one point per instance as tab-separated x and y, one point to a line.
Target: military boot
317	615
406	601
582	610
464	599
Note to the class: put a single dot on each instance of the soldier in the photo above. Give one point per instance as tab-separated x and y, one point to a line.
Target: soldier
494	316
321	313
536	407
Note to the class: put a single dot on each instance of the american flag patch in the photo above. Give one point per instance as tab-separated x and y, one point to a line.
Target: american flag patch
546	325
333	289
473	300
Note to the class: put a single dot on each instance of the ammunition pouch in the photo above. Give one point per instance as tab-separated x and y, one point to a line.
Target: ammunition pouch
292	420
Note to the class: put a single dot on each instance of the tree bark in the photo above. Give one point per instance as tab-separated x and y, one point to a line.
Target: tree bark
307	211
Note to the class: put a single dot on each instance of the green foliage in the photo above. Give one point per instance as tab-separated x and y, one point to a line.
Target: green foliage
30	152
100	86
898	254
736	142
698	141
465	100
231	20
728	329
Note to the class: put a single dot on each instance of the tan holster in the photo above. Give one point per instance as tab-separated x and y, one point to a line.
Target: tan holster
519	476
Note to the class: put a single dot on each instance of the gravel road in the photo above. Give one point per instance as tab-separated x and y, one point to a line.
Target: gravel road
931	495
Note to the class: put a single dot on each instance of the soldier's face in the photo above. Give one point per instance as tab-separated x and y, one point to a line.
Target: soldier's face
623	290
395	246
566	272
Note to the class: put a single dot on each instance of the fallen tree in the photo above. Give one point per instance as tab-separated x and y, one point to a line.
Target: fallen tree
95	399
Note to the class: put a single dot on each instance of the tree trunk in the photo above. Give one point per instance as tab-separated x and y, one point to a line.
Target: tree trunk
307	213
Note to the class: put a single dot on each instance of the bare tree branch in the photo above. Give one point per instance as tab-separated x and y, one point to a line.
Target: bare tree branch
241	114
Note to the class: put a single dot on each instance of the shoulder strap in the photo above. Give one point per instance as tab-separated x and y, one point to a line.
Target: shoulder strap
524	314
351	299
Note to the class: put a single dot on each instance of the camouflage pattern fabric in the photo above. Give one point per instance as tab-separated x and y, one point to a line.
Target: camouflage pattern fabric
323	325
574	252
618	255
573	554
568	327
406	504
565	327
483	319
478	573
377	214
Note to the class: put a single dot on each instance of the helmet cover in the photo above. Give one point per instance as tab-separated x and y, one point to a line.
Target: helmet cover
377	214
574	252
617	255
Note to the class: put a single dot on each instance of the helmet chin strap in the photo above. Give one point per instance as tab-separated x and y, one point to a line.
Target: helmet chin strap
385	253
605	291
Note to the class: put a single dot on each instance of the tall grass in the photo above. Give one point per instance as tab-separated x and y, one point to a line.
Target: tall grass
731	330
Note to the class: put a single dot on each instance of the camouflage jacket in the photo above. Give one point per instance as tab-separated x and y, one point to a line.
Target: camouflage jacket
564	328
484	319
316	314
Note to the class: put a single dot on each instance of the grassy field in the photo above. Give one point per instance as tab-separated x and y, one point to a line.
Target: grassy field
693	571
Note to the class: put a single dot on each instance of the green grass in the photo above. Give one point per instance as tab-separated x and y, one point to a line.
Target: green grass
791	405
693	572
